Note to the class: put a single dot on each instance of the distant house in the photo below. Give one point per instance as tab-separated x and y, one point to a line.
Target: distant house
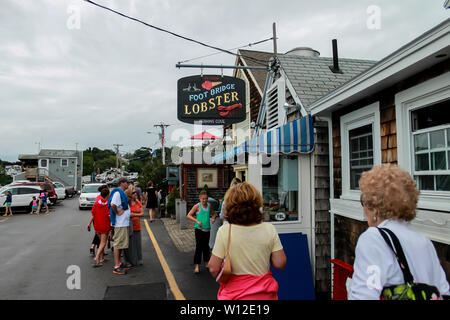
65	166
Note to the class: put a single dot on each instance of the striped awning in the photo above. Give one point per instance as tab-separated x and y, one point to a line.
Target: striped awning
294	137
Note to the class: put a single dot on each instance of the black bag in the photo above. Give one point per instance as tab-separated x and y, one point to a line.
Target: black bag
408	290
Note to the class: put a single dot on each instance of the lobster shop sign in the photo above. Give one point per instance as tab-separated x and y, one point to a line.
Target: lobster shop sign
211	99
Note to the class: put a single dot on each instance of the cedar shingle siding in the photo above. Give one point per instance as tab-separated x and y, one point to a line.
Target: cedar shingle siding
322	207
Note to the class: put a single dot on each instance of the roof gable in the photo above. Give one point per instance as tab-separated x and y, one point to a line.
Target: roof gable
256	58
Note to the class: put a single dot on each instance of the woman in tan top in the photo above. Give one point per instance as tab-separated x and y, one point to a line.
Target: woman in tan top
254	246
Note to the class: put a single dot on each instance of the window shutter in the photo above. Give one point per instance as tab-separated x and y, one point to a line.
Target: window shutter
276	97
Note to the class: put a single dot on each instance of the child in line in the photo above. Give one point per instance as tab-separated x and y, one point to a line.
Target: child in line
8	203
203	213
43	200
34	205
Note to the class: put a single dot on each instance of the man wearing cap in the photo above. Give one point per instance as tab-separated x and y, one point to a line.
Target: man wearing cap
120	220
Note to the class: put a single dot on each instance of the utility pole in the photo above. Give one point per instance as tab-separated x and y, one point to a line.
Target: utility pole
162	126
274	27
117	154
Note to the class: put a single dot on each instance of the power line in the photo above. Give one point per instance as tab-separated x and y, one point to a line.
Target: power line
174	34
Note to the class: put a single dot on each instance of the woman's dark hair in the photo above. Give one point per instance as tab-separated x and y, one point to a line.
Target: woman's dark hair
150	184
103	186
243	204
104	192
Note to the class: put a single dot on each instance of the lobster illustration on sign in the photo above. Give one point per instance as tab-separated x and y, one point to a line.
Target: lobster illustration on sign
208	85
228	109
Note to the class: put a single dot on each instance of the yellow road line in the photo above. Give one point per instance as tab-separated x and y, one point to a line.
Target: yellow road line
169	276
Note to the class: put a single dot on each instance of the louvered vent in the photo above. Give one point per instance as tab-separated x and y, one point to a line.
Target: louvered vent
272	108
275	102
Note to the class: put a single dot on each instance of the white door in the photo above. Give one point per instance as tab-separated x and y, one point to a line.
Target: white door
25	196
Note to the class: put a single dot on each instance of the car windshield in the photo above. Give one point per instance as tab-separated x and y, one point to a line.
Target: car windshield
90	189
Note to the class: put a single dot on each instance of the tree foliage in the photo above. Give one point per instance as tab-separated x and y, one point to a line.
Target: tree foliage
4	178
95	158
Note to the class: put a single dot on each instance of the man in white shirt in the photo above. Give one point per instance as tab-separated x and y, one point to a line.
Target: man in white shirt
119	205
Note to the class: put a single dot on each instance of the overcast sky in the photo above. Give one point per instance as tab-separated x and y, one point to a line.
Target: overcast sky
111	80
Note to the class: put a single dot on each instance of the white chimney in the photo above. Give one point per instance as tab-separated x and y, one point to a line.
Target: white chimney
303	52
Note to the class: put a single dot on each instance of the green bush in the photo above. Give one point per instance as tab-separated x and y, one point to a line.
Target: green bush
174	194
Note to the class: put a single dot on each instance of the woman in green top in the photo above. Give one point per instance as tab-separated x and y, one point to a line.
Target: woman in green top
203	212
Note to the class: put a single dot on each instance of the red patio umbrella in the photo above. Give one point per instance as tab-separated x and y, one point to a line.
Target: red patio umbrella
204	136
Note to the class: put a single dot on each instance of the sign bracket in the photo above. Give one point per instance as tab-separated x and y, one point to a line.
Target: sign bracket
179	65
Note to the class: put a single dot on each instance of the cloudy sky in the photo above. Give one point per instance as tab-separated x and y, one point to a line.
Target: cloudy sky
73	75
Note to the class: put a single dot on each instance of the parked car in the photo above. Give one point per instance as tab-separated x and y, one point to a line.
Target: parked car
70	191
60	190
88	194
22	196
51	192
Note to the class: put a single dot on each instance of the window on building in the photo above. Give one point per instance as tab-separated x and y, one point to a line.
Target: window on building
64	162
280	192
360	147
431	146
44	163
361	153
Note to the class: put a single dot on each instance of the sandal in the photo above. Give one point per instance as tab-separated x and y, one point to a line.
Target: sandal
119	270
95	265
126	266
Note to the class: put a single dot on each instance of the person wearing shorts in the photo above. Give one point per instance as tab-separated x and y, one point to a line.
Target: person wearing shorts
7	204
43	198
120	218
34	205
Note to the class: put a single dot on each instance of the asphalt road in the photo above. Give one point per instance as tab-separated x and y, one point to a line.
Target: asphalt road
47	257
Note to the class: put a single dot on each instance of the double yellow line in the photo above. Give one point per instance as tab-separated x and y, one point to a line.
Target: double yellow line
169	275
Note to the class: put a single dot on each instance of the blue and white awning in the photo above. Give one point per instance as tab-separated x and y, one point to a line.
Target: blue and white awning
294	137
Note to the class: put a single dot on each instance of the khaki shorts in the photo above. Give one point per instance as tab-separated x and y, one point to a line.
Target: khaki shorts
121	238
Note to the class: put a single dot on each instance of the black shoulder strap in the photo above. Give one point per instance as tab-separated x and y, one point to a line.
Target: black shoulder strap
398	251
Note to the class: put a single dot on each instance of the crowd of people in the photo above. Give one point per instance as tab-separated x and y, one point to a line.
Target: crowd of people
388	196
116	218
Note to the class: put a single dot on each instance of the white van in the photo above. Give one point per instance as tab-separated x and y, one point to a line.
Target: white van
22	196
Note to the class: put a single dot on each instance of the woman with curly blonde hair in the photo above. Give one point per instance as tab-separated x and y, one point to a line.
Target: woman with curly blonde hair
254	246
389	198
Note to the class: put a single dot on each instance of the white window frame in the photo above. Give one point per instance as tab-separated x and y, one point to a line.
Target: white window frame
420	96
66	164
40	163
369	115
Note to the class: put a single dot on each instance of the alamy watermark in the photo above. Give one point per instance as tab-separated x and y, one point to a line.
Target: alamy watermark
74	280
74	20
214	152
373	21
